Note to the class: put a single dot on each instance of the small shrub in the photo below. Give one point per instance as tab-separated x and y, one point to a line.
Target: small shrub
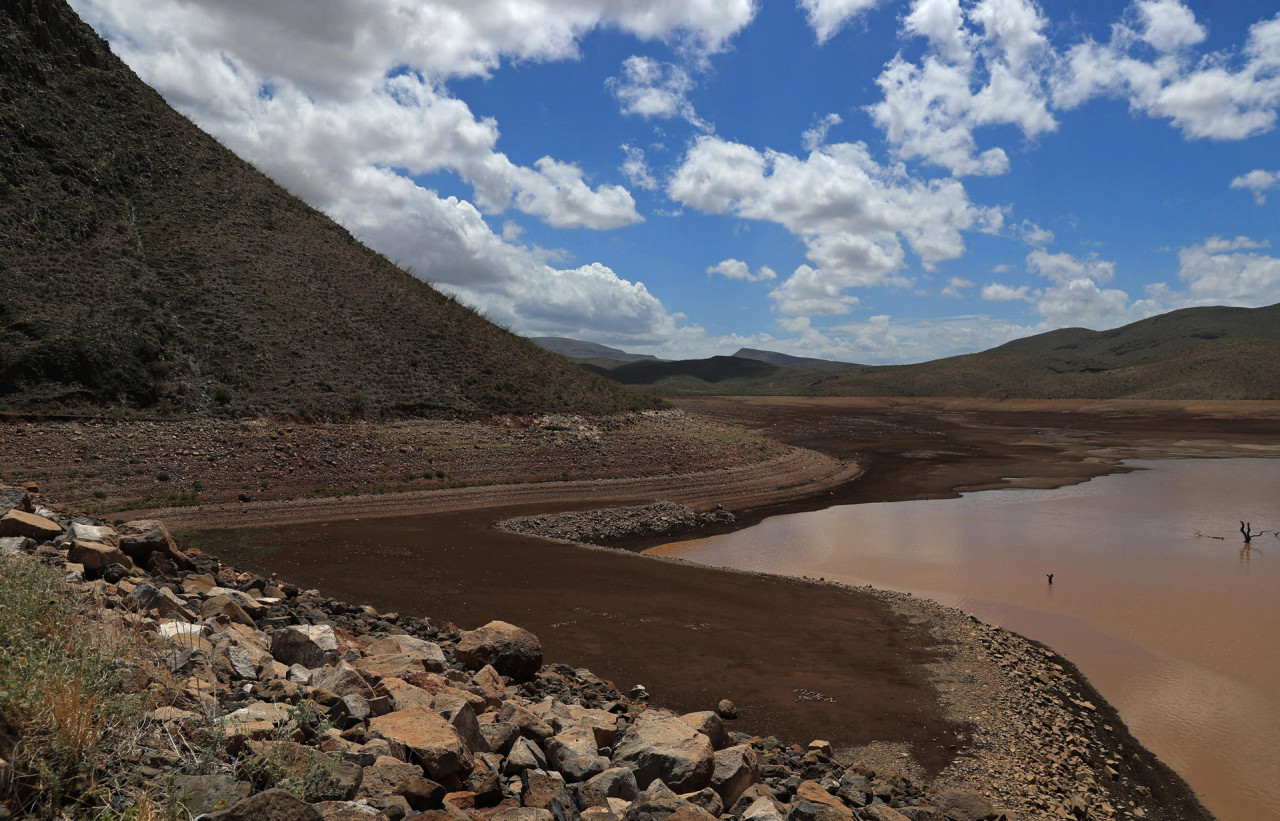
99	494
162	476
222	395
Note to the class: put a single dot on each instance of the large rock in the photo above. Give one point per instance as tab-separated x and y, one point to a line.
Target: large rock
615	782
97	555
511	650
21	523
666	748
140	538
14	498
659	803
308	645
207	793
881	812
710	725
389	776
736	769
272	805
404	695
529	724
427	653
94	533
344	680
958	805
573	754
524	755
546	791
434	743
762	809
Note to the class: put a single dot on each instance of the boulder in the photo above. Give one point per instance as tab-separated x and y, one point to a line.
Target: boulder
427	653
94	533
881	812
21	523
512	651
225	609
499	736
524	755
272	805
829	807
463	719
404	695
388	776
97	555
14	498
344	680
959	805
710	725
529	724
762	809
490	685
140	538
736	769
209	793
14	545
706	798
546	791
349	811
659	803
660	747
433	742
308	645
726	709
573	754
615	782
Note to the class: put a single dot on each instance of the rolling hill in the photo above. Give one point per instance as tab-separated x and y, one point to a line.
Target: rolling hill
576	349
1193	353
144	266
796	361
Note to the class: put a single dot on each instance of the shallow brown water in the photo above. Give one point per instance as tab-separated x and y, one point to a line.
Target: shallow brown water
1180	632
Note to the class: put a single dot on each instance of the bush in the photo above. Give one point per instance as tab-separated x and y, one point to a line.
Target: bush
222	395
162	476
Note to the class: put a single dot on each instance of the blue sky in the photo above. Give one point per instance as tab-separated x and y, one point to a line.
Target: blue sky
865	180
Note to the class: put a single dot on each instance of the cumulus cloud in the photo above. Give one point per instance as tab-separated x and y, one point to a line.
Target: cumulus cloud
636	168
1229	272
1031	234
998	292
653	89
852	214
1259	182
982	67
737	269
1226	95
956	287
816	135
329	97
827	17
1063	268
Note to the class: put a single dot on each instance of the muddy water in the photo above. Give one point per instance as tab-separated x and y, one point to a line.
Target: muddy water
1181	632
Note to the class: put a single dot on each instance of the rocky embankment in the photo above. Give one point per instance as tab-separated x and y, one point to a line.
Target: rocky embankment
320	709
611	524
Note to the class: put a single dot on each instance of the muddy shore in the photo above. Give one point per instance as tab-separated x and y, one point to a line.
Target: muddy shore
879	661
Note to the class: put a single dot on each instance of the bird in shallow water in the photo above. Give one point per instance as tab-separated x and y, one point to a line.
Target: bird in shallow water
1050	575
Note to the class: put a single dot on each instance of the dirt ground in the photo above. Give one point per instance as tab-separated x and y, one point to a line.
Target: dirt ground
802	659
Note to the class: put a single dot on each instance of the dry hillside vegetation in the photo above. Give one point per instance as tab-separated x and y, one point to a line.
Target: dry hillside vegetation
145	266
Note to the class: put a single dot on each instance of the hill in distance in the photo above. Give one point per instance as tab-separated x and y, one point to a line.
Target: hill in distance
1193	353
576	349
796	361
143	265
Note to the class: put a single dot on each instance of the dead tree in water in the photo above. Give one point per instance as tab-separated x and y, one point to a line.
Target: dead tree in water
1247	530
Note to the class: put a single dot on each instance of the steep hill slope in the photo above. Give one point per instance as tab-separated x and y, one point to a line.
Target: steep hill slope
144	265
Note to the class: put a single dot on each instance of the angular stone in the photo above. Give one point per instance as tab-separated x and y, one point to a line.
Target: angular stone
736	769
881	812
272	805
140	538
95	555
463	719
309	645
512	651
14	498
426	652
615	782
387	776
659	803
706	798
224	608
763	809
530	725
546	791
834	809
959	805
21	523
490	685
573	754
434	743
603	724
522	814
398	665
524	755
15	545
666	748
404	695
94	533
710	725
344	680
499	736
240	663
210	793
349	811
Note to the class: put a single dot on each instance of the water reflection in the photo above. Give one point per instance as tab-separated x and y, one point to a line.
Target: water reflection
1145	596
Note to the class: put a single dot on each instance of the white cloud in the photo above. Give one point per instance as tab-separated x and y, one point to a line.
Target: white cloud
1031	234
329	97
851	213
998	292
931	109
815	136
1259	182
1227	272
636	169
651	89
737	269
1063	268
827	17
956	287
880	340
1223	95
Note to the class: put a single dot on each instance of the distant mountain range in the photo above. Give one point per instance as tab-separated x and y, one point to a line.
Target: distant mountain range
577	349
144	266
1193	353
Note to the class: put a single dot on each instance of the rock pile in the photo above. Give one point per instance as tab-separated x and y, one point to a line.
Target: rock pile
289	705
613	523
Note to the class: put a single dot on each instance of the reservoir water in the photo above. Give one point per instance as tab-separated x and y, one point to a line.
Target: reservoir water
1179	630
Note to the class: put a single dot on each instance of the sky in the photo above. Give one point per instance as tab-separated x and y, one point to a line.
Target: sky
874	181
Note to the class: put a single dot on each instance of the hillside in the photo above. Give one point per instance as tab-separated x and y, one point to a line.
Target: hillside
796	361
1194	353
144	266
576	349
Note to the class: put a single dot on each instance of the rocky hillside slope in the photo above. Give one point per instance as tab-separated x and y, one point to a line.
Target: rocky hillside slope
143	265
